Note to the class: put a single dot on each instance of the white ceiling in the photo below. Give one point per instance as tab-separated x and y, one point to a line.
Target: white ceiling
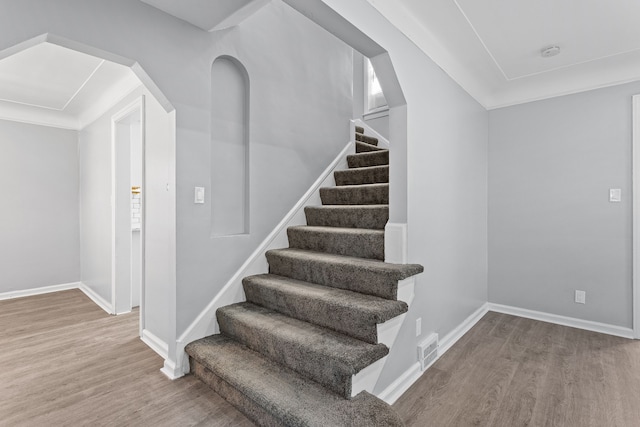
209	15
492	47
51	85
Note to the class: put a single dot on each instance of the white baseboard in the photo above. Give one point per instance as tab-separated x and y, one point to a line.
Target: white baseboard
100	302
156	344
39	291
572	322
411	375
170	369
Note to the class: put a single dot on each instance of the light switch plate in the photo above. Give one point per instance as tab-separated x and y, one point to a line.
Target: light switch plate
615	195
199	195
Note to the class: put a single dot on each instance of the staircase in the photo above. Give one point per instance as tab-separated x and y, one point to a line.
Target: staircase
289	354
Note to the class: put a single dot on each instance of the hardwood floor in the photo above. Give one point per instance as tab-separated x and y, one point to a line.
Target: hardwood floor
65	362
509	371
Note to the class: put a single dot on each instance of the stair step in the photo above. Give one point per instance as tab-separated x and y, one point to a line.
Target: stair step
325	356
366	276
350	313
368	139
367	194
359	129
363	216
356	242
358	176
271	394
363	147
372	158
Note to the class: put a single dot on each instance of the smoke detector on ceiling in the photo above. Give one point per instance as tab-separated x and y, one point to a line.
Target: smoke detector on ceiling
550	51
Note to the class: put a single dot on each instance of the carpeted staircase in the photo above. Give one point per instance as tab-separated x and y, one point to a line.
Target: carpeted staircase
287	355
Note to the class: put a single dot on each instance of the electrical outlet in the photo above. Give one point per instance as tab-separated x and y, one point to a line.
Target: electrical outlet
581	297
418	326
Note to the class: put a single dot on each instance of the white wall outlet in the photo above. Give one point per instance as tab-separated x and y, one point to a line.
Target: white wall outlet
615	195
418	326
581	297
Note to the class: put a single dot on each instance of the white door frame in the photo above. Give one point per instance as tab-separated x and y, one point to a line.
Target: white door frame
136	106
635	168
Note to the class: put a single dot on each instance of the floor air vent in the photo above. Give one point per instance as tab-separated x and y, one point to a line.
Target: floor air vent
428	351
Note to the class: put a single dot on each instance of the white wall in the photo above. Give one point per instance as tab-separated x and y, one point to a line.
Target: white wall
95	210
300	106
552	227
38	207
447	162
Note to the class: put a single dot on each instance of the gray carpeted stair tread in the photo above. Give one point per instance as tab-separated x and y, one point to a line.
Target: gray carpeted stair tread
350	313
361	216
368	139
271	394
363	243
359	129
366	194
363	147
373	158
325	356
359	176
367	276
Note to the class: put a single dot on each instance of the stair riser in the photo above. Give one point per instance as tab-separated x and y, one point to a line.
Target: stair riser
338	276
339	319
244	404
374	158
349	195
359	129
365	217
378	175
368	139
366	245
363	147
298	358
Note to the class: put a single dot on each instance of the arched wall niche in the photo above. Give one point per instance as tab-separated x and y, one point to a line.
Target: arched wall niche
230	98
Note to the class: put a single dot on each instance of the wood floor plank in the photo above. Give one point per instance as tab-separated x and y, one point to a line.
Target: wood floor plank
68	363
510	372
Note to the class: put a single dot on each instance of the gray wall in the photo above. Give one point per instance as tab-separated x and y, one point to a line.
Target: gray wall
95	210
39	207
300	106
552	229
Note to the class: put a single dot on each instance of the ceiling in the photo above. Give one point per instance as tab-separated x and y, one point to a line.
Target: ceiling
51	85
492	47
209	15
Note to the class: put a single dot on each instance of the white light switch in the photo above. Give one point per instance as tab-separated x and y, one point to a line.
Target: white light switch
615	194
199	195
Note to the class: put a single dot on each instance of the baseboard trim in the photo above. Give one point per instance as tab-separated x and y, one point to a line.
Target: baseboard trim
155	343
170	369
39	291
572	322
93	296
411	375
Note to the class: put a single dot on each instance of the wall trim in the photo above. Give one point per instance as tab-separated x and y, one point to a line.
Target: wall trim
39	291
571	322
635	183
101	302
411	375
171	370
156	344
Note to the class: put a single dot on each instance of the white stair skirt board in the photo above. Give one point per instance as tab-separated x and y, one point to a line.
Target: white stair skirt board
382	141
232	292
155	343
618	331
39	291
411	375
100	302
